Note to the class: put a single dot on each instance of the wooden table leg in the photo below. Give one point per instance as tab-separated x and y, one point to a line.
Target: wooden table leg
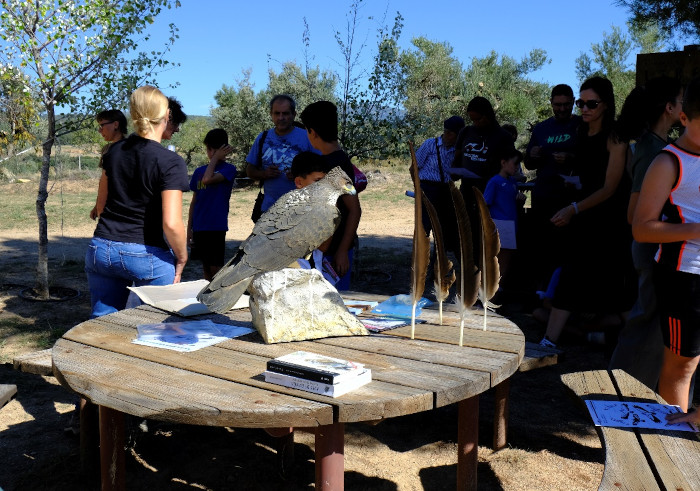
467	443
284	443
500	414
330	465
89	437
112	461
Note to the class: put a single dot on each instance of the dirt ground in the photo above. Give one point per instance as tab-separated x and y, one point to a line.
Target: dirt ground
552	444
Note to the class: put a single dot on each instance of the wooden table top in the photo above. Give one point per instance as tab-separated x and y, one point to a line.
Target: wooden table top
223	385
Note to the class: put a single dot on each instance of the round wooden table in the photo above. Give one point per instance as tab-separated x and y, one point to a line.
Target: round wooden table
222	385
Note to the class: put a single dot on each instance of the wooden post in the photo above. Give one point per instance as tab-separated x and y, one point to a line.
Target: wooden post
284	444
500	414
467	443
89	438
112	462
330	464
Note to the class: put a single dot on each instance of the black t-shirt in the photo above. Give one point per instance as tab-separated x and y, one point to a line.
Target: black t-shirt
138	170
335	159
479	150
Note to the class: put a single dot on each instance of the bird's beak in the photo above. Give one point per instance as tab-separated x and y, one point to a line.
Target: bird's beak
350	189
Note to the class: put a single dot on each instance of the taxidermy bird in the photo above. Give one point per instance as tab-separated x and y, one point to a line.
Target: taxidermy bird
294	226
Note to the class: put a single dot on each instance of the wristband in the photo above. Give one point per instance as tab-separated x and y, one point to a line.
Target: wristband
575	207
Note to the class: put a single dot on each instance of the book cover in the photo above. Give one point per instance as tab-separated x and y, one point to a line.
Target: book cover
312	366
331	390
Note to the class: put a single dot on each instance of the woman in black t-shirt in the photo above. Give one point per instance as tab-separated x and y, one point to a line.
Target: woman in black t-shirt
140	238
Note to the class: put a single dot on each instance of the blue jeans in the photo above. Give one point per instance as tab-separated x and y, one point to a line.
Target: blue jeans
113	266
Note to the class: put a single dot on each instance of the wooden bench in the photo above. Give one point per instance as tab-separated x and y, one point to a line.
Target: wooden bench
37	362
638	458
536	356
7	393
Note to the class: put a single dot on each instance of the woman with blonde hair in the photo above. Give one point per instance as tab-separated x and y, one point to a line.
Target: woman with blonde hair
140	238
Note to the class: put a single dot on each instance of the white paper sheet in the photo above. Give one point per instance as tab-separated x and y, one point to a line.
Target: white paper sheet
635	415
188	335
180	298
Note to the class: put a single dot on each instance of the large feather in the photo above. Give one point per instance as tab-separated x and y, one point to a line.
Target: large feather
444	272
420	254
490	246
469	274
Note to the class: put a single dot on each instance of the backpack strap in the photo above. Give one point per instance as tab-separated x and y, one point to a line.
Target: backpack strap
442	173
260	147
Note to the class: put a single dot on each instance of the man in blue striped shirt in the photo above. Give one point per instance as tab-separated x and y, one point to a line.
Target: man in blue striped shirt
434	158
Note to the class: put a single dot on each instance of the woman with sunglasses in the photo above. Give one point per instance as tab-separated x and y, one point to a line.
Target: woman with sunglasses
597	275
111	124
140	238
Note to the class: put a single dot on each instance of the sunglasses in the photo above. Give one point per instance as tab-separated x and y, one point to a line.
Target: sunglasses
102	125
589	104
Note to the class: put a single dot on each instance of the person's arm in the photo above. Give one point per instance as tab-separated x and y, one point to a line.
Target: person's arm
101	197
174	228
634	198
253	172
341	262
190	214
613	175
533	153
210	175
656	188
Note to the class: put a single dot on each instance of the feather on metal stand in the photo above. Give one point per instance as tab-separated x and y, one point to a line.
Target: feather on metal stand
469	276
444	272
490	246
420	254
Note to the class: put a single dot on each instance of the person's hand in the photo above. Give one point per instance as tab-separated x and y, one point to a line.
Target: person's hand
93	213
520	197
535	152
341	263
559	157
563	216
272	172
221	152
691	416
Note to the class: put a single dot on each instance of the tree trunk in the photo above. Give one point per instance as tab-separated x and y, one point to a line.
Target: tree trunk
42	269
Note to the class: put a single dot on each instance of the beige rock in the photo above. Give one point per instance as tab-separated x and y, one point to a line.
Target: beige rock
298	304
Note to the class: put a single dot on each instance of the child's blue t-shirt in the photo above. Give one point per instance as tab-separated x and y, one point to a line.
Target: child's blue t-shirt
500	195
212	202
280	151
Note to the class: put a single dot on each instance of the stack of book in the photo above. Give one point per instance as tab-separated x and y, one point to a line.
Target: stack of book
316	373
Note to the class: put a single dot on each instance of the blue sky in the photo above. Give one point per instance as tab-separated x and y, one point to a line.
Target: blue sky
219	39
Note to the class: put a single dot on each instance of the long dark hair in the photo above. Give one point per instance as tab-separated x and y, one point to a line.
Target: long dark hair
645	105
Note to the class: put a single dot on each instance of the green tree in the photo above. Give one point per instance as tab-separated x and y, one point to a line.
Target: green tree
64	47
371	116
242	113
503	80
305	86
676	18
19	111
612	57
433	86
189	141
